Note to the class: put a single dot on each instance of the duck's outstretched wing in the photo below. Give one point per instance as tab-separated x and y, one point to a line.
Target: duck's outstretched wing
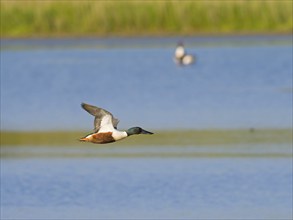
103	118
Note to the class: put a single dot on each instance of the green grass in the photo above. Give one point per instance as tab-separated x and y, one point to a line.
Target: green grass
160	138
137	18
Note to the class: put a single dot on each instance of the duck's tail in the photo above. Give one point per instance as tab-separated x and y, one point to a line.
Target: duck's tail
84	139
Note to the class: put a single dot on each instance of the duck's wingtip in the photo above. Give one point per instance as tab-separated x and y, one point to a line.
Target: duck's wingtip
83	104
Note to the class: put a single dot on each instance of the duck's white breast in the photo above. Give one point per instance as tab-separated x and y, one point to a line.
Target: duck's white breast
118	135
179	52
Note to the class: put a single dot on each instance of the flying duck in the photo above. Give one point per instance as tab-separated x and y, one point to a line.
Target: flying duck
181	58
105	127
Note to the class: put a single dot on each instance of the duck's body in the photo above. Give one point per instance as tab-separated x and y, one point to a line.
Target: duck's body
187	59
102	138
181	58
105	130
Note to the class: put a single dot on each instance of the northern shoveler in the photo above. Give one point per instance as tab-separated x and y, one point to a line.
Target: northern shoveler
181	58
105	127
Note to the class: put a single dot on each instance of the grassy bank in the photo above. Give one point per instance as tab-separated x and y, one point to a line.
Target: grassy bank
160	138
136	18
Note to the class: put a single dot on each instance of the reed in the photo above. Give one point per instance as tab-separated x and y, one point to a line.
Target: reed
136	18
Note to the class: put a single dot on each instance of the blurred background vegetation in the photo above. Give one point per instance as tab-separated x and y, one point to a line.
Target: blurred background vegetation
143	18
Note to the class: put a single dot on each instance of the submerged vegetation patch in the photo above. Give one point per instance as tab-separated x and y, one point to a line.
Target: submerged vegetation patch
160	138
265	143
136	18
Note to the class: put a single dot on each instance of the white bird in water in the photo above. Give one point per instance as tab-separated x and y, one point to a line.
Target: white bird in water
181	58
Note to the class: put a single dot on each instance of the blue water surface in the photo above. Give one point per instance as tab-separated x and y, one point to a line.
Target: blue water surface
146	188
236	82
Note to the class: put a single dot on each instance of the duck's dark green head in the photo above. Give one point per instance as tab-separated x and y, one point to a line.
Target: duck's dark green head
137	130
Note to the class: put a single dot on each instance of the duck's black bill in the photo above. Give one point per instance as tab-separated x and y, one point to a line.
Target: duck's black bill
145	132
